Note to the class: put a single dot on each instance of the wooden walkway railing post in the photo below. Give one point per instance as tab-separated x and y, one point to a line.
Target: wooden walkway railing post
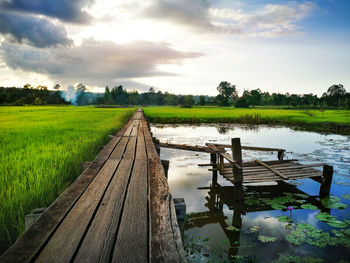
237	156
326	183
213	161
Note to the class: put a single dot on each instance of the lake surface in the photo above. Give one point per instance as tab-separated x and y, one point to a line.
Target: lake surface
219	230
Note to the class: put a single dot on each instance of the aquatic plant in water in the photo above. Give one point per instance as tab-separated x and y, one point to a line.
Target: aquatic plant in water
284	219
267	239
308	206
332	202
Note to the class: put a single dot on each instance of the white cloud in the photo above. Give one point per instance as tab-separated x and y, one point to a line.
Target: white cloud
95	63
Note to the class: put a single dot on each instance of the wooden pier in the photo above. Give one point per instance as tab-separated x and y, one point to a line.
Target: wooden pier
118	210
234	169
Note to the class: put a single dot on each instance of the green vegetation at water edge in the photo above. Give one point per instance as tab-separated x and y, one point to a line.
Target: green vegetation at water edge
337	121
41	151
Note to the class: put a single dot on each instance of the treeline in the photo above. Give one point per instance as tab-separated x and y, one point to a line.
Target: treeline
41	95
335	97
119	96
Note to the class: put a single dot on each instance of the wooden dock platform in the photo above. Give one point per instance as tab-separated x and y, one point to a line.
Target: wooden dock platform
238	172
118	210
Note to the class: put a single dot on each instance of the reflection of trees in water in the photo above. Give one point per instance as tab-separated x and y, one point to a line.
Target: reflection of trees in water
224	128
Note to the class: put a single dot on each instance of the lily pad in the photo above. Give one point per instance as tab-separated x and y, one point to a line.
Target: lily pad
232	228
346	197
284	219
301	195
254	229
267	239
251	201
278	206
332	202
337	224
309	206
325	217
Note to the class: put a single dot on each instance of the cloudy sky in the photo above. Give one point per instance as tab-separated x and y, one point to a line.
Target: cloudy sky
179	46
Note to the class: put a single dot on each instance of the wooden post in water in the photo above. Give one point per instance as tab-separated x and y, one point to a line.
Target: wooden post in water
165	164
280	155
326	184
237	156
213	161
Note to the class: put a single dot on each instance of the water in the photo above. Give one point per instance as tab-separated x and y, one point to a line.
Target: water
208	235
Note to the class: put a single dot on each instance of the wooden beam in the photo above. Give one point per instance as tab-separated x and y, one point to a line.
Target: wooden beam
237	157
252	148
272	169
186	147
327	175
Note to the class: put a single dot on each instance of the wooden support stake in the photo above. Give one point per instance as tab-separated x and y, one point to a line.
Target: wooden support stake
215	172
165	164
221	164
237	156
325	187
280	155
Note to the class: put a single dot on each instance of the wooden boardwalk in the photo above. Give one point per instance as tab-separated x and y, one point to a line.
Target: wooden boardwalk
118	210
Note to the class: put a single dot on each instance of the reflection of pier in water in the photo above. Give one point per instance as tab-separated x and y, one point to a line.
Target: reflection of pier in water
218	196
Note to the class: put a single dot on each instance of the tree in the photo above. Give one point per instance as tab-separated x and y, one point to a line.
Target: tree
336	90
107	96
202	100
227	92
188	101
253	97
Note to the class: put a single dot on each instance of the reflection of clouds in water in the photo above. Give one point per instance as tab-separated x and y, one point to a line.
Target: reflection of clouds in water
269	225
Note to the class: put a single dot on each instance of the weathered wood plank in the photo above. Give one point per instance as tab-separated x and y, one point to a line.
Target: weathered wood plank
252	148
68	235
272	169
185	147
100	238
132	240
118	151
166	245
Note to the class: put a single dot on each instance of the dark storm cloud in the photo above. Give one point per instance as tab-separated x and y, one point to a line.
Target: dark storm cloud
95	62
35	31
65	10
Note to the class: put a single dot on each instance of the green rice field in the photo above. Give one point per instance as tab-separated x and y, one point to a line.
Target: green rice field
41	151
336	121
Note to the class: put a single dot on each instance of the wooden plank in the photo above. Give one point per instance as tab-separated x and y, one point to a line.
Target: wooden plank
227	157
107	150
68	235
185	147
119	149
282	167
272	169
130	152
214	148
99	242
100	238
252	148
273	177
251	164
132	241
165	238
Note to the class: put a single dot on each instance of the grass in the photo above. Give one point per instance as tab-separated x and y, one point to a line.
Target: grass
41	151
337	121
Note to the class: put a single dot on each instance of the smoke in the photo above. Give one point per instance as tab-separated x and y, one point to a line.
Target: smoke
70	95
